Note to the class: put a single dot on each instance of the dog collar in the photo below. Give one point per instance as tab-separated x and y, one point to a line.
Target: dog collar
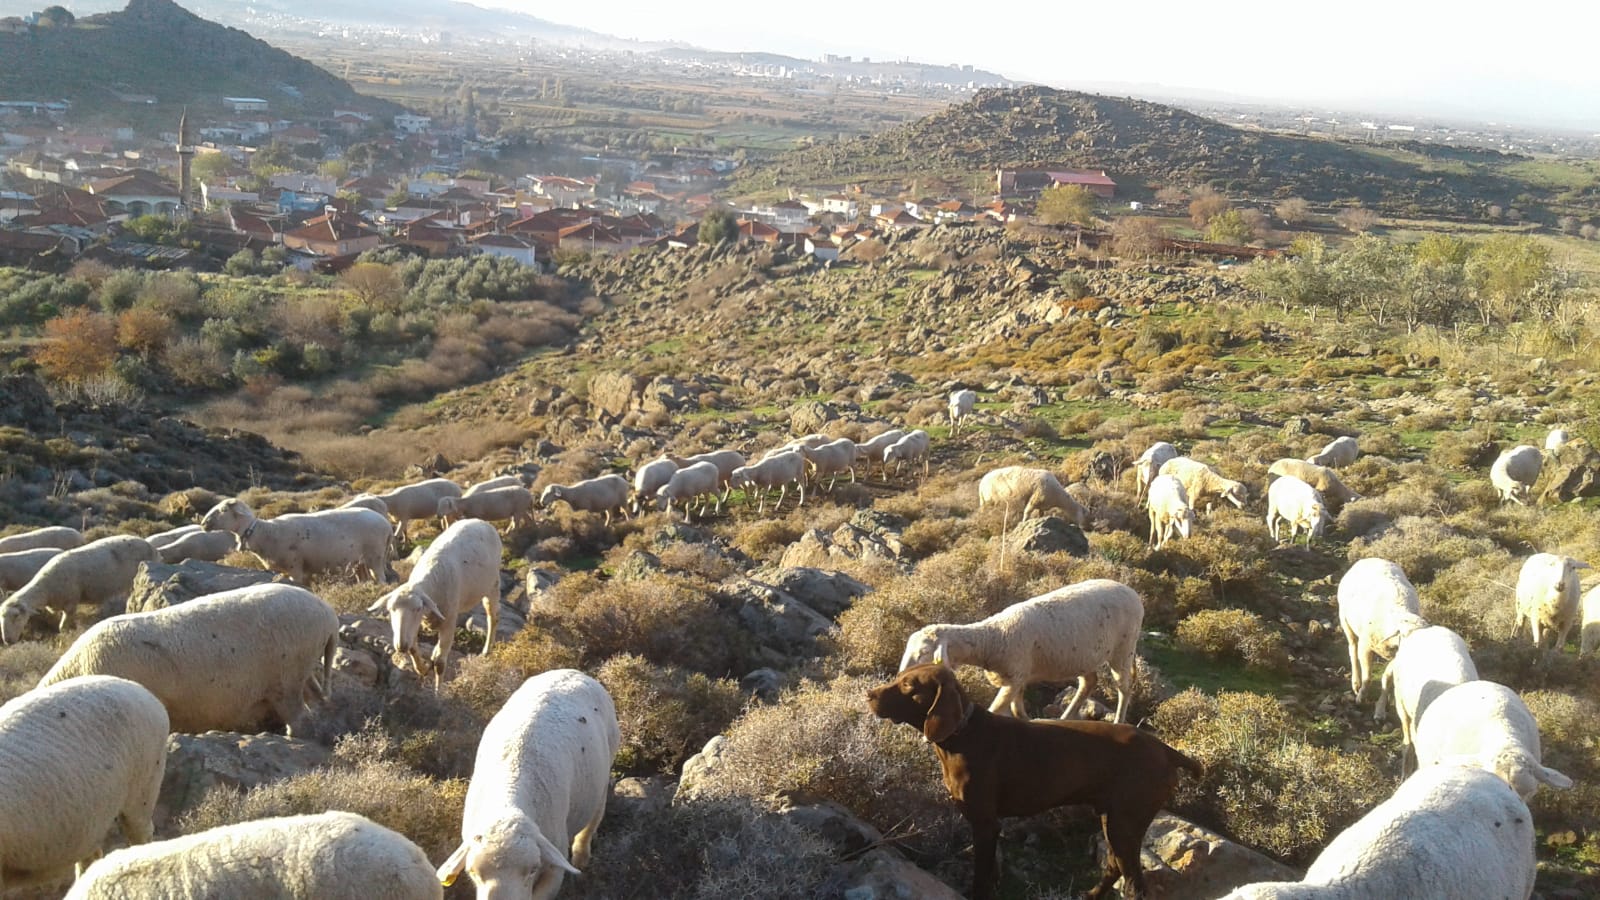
249	530
965	718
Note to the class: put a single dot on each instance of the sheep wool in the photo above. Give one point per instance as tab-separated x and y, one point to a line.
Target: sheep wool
304	544
460	569
1487	725
1548	598
1377	607
1021	491
94	573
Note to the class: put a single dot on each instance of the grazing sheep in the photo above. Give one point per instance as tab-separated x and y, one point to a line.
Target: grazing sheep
871	450
539	786
1324	479
1514	473
1033	490
17	569
725	461
1170	512
913	446
1448	831
1377	607
775	471
495	484
207	546
460	568
57	536
1063	635
1336	454
1589	634
313	857
239	660
1556	439
649	479
1202	483
1548	597
299	545
162	539
607	494
1429	662
830	460
1298	504
511	505
1149	464
75	758
962	403
417	501
95	573
1487	725
696	480
367	501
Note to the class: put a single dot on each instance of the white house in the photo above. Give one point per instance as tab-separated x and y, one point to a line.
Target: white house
411	124
841	205
245	104
507	245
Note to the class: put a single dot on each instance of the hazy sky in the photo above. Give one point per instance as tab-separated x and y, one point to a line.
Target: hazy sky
1532	60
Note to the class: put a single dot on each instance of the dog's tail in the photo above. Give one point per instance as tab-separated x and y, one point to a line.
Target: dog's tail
1184	762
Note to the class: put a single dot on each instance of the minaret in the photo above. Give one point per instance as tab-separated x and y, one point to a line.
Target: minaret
185	157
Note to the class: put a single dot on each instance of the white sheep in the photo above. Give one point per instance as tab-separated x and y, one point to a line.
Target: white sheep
539	786
367	501
207	546
1299	504
458	570
725	461
495	484
1429	662
1203	484
311	857
607	494
1589	634
1548	597
1063	635
303	544
696	480
163	538
1377	607
238	660
511	505
1337	453
1324	479
1149	463
1556	439
96	573
1487	725
775	471
1170	512
649	479
913	446
57	536
1021	491
871	450
75	758
831	459
1514	473
1447	831
17	569
962	402
417	501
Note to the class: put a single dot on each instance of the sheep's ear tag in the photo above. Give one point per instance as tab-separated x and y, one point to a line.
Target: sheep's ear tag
451	870
938	655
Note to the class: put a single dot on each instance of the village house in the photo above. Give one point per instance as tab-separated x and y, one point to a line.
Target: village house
137	193
245	104
1034	180
508	245
332	234
410	124
841	205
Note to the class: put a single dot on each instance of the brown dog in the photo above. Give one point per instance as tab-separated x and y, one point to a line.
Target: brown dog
998	766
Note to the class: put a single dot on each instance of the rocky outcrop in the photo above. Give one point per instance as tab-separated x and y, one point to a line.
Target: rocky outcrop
200	763
1049	534
1571	473
1184	861
159	585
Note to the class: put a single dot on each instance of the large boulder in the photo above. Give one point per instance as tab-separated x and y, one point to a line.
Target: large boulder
827	592
200	763
669	395
1184	861
776	619
882	874
810	417
160	585
699	768
612	394
1571	472
1049	534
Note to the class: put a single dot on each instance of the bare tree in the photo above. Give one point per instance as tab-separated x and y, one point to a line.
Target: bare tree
1293	211
1204	205
1588	232
1568	224
1356	219
1137	237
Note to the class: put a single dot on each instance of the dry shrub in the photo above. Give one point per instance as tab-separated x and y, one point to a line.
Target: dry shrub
347	596
23	664
765	539
702	560
1572	747
1470	449
1232	559
1474	596
1264	783
1421	547
1234	634
667	713
929	411
484	682
667	619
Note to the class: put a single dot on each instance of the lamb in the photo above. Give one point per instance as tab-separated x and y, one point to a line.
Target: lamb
1062	635
237	660
302	544
693	481
495	484
96	573
1034	490
1429	662
539	785
962	402
208	546
161	539
725	461
1448	831
1324	479
1556	439
607	494
775	471
913	446
57	536
511	505
1377	608
871	450
1202	483
1298	504
830	460
17	569
1487	725
649	479
460	568
1548	597
1514	473
1170	512
331	854
367	501
1149	464
417	501
1589	634
1337	453
74	758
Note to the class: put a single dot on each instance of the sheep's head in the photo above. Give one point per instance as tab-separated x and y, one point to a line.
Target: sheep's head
1236	493
551	494
509	859
13	619
229	515
926	645
448	509
1518	768
407	607
1186	521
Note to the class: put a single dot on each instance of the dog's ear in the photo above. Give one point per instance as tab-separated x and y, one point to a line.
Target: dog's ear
944	714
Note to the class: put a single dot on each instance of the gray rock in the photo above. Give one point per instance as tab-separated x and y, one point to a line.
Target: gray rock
1184	861
827	592
362	665
669	395
810	416
777	619
159	585
648	796
539	586
831	822
637	566
612	394
1571	472
1050	534
199	763
509	620
763	684
882	874
699	769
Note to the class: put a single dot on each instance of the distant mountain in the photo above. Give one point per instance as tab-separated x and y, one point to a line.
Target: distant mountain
157	48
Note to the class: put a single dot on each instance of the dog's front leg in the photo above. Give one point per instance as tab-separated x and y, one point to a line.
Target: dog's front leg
985	857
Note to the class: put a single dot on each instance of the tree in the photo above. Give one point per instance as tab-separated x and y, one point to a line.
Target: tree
1366	276
55	17
210	168
1136	237
397	197
1204	205
1293	211
1069	204
77	346
1356	219
150	229
717	227
273	159
1568	224
144	330
374	285
1228	227
1503	272
1588	231
1434	282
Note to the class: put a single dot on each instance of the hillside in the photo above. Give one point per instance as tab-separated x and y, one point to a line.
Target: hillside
1140	143
156	47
